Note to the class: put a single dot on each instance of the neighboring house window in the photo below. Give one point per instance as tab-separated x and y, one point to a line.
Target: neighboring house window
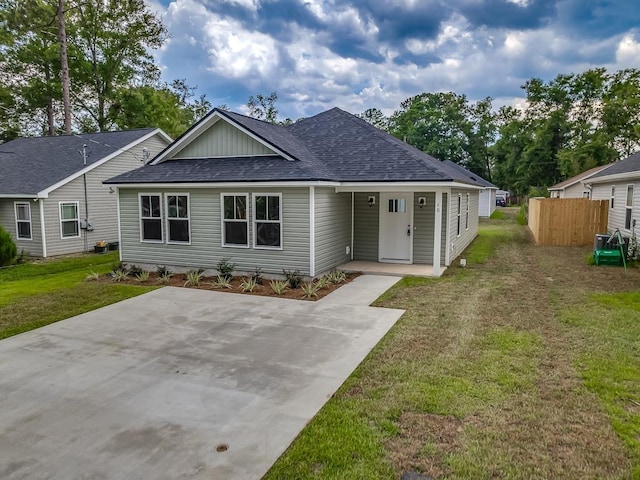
459	212
178	229
466	221
586	194
613	197
235	221
150	218
69	220
267	220
23	220
627	220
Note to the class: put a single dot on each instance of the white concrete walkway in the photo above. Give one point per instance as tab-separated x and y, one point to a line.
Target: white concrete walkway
396	269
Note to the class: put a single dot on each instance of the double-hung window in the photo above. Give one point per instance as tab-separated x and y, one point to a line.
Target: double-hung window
267	225
69	220
23	220
235	221
178	228
466	221
629	208
459	213
150	218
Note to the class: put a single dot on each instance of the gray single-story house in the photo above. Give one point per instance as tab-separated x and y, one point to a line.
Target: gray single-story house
574	187
620	184
52	199
309	196
487	202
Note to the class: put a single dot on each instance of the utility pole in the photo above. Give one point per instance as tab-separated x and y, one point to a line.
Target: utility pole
66	98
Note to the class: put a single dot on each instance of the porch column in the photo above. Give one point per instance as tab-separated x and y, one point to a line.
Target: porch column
437	234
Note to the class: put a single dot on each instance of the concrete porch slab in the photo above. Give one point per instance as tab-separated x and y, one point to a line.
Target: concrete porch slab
395	269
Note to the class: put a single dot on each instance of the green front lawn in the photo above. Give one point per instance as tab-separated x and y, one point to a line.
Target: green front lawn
36	294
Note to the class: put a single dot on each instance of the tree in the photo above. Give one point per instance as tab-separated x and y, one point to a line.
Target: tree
482	136
113	39
64	67
375	117
263	107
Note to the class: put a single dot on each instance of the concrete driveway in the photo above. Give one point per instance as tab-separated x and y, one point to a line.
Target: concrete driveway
152	387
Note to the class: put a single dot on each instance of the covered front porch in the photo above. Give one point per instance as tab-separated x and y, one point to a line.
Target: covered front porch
393	269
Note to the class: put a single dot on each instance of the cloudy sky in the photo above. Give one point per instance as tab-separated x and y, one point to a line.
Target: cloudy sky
360	54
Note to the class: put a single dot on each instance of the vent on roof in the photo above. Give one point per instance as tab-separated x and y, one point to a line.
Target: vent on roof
474	179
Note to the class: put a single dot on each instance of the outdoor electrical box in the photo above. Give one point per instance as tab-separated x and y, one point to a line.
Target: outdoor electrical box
86	225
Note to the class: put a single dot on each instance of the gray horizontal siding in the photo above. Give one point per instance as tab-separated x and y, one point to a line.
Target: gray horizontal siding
459	243
31	247
617	214
223	140
365	230
423	223
102	205
206	248
332	228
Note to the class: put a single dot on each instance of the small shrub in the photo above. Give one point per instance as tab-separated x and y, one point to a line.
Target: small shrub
589	260
120	267
322	282
336	276
135	270
8	249
521	217
293	277
92	277
221	282
142	276
310	290
120	275
163	271
225	268
194	277
279	286
248	284
257	276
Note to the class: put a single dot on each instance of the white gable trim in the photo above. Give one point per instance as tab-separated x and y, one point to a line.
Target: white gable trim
45	193
627	176
211	119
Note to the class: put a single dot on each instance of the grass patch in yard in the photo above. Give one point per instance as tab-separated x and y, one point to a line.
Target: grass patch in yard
497	215
609	327
37	294
484	245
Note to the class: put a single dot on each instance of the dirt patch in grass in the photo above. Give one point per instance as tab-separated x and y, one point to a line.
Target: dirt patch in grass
207	283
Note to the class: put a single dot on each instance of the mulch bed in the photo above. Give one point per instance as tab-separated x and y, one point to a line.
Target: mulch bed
179	279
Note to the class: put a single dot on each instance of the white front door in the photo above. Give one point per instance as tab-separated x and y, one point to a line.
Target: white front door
396	228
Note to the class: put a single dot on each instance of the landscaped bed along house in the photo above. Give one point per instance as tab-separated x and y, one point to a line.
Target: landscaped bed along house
310	196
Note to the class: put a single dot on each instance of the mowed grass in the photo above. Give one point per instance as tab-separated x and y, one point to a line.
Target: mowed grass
512	367
36	294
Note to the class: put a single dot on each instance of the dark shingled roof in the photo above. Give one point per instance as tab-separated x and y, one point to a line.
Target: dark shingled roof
631	164
331	146
476	179
30	165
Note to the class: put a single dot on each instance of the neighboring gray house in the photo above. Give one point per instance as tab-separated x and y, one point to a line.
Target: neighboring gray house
309	196
620	184
43	195
574	187
487	203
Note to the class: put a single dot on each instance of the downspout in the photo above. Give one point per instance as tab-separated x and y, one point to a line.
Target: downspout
86	200
43	235
312	231
352	221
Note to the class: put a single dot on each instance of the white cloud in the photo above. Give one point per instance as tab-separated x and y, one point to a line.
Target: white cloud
628	52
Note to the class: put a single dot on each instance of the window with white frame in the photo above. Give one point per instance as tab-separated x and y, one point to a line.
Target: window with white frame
235	220
178	228
267	218
150	217
69	220
459	215
613	197
23	220
466	220
629	207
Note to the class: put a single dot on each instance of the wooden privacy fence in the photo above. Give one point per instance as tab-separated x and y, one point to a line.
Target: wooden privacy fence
567	221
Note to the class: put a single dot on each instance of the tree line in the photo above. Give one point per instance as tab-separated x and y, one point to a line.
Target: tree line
567	125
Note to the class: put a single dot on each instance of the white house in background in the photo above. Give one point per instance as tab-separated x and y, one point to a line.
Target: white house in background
575	187
620	184
51	186
487	203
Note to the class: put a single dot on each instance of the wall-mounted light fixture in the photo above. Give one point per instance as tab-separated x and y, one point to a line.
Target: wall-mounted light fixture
111	190
422	201
371	200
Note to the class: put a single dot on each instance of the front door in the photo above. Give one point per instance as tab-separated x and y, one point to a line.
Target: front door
396	228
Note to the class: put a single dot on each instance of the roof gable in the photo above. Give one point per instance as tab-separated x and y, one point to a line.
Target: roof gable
578	178
31	166
624	169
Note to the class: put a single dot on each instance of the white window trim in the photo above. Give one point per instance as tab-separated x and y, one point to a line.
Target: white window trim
466	224
459	216
140	217
222	220
77	204
167	219
254	220
629	207
15	209
612	197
